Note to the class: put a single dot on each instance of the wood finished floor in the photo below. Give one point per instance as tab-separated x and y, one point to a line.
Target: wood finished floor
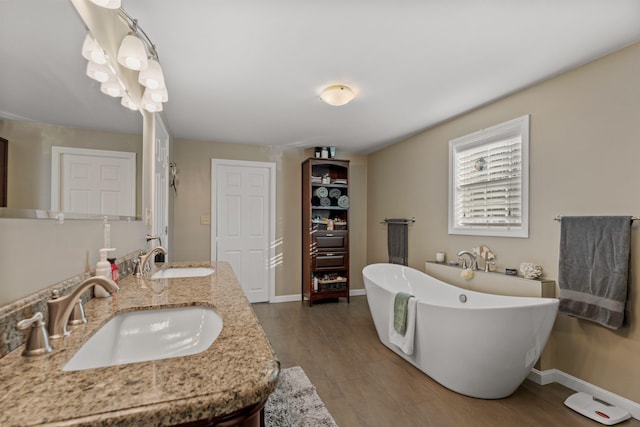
363	383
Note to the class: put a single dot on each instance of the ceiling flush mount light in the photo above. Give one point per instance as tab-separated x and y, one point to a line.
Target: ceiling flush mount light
107	4
337	95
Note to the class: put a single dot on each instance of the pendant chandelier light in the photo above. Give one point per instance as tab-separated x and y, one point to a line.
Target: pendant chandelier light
136	53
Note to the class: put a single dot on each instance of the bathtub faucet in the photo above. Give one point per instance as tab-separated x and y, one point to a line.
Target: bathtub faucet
473	261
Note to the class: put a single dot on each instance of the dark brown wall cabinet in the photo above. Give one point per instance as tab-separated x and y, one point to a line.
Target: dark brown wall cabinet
325	229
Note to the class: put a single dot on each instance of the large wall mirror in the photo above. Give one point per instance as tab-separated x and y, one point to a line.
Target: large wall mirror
48	101
33	150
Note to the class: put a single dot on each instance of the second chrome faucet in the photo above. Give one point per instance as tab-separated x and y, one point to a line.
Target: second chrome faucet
143	260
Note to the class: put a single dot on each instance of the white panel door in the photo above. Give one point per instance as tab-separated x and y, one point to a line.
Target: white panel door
242	206
94	182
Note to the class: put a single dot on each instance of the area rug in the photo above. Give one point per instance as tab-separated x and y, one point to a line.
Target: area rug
295	403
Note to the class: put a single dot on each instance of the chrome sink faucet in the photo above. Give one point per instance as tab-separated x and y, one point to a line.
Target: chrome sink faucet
60	308
473	261
143	260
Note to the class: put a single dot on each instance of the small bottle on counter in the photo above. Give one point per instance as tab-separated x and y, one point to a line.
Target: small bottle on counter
114	269
103	269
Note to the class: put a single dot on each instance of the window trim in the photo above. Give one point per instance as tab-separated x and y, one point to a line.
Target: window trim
511	128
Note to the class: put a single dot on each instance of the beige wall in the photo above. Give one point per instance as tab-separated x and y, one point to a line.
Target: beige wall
36	254
192	241
29	164
584	151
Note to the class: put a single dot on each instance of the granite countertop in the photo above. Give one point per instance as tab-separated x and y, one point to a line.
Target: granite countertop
238	370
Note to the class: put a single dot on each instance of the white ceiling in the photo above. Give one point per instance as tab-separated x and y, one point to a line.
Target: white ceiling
250	71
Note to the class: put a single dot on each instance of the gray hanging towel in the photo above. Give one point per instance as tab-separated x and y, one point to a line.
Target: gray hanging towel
593	273
398	241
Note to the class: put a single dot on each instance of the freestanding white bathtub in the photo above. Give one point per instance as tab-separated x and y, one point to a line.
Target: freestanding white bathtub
476	344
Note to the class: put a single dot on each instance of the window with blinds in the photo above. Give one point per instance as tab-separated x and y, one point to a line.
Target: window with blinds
488	181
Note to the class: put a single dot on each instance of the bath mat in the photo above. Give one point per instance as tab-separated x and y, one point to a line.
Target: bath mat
295	403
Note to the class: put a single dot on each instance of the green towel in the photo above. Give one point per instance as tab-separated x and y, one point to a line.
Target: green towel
400	312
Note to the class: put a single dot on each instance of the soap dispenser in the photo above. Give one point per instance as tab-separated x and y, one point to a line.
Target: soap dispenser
103	268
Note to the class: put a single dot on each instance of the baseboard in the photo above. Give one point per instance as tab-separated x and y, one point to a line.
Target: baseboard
296	297
543	377
556	376
285	298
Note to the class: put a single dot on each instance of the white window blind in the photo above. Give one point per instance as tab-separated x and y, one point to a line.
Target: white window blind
488	194
488	184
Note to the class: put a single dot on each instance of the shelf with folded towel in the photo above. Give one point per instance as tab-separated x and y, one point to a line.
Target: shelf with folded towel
325	229
492	282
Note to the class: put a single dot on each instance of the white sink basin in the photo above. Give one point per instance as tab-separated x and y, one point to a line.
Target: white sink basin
174	273
139	336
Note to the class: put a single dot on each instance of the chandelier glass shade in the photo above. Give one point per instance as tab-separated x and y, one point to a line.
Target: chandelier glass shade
149	104
127	102
91	51
99	72
157	95
112	88
132	53
152	77
108	4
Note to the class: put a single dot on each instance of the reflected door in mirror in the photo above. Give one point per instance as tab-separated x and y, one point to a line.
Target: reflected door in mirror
94	181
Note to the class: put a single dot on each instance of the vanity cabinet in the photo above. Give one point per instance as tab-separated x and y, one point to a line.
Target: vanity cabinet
325	229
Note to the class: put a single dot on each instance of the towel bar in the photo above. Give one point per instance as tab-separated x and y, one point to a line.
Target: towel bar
398	220
559	217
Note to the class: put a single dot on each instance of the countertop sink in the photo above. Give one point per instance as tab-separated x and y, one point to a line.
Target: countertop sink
138	336
174	273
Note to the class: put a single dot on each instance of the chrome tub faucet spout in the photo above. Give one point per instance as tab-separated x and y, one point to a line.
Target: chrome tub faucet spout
60	308
473	261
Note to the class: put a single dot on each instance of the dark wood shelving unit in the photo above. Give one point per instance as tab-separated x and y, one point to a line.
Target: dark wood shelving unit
325	229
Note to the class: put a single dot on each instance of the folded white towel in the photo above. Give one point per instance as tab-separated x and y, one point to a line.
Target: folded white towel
405	342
